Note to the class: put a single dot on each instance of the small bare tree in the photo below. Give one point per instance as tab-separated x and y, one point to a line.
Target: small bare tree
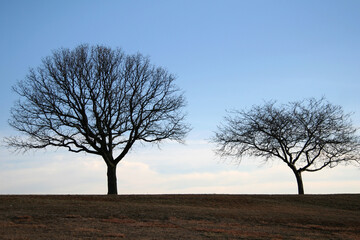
99	101
307	135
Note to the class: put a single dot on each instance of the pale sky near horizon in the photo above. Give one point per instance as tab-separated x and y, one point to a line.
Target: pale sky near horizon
226	54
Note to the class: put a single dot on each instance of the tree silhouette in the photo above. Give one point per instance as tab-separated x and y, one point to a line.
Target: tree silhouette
99	101
307	135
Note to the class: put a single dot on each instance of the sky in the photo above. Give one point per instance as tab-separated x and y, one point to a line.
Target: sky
226	54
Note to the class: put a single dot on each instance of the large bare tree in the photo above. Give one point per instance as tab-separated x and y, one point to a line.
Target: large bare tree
99	101
306	135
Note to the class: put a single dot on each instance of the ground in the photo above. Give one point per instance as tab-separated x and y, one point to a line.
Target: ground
180	217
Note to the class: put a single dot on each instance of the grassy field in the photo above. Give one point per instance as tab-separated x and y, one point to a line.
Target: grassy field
180	217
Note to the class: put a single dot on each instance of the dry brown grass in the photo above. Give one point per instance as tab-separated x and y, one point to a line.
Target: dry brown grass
180	217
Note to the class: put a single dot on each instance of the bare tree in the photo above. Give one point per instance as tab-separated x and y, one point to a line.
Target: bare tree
99	101
307	135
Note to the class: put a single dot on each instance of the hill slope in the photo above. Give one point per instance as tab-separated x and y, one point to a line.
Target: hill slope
180	217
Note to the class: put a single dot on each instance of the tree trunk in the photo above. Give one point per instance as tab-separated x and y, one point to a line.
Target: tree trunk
112	181
299	182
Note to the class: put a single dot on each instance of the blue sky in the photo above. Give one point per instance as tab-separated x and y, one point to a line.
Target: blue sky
225	54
